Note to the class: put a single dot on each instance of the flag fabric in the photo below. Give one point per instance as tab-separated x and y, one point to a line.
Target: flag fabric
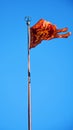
44	30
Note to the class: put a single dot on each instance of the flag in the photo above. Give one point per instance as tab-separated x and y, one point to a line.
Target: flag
44	30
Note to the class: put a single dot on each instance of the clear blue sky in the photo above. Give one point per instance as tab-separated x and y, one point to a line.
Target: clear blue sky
51	67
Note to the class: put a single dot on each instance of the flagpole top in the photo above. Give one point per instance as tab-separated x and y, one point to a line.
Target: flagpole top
28	19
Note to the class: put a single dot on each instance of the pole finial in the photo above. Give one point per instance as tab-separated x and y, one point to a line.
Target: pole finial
28	19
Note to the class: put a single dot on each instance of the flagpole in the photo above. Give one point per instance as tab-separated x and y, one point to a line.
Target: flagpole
29	80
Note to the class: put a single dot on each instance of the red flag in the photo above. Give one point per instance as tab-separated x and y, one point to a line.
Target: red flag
44	30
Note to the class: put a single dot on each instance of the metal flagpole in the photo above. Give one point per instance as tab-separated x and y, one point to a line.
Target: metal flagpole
29	82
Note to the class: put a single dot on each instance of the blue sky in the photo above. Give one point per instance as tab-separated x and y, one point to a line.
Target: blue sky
51	67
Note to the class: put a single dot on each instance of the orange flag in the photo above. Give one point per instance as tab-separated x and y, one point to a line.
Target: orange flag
44	30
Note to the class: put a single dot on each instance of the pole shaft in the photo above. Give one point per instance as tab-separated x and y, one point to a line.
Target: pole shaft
29	80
